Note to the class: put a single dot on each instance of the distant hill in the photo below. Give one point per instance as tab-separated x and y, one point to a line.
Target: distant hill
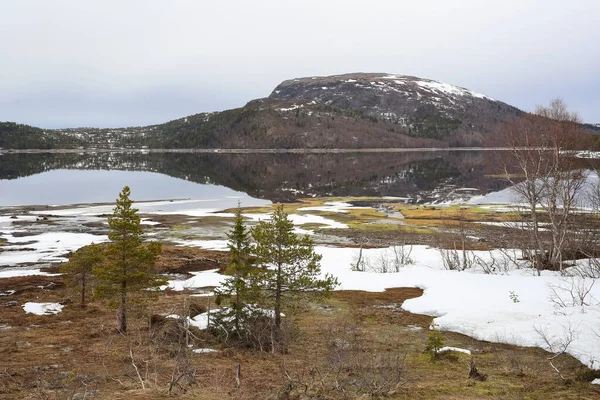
343	111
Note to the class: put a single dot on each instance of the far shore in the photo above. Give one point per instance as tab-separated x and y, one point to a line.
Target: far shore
250	151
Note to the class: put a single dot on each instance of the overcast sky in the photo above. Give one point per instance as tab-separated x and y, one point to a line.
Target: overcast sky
109	63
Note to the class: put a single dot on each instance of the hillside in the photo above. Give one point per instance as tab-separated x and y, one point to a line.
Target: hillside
343	111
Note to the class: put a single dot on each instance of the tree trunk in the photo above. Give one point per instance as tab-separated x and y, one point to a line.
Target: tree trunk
83	287
539	251
278	299
122	315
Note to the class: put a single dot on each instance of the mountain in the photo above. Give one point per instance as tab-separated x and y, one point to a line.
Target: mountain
343	111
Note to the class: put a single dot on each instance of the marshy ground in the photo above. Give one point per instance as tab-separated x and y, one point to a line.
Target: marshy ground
356	344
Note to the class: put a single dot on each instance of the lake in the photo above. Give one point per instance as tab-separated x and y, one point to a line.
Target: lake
220	180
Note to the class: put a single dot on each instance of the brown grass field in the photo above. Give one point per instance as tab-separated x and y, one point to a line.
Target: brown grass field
356	345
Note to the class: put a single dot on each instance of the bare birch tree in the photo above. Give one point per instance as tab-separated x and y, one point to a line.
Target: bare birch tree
539	163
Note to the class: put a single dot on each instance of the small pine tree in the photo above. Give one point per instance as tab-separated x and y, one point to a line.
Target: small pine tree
435	342
240	287
127	276
292	267
79	270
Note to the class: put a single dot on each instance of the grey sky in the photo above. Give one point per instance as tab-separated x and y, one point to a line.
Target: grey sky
70	63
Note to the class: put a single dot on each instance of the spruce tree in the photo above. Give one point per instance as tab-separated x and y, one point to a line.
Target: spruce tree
127	277
292	268
240	287
79	270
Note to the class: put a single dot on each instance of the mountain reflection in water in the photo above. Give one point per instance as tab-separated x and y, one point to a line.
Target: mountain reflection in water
418	176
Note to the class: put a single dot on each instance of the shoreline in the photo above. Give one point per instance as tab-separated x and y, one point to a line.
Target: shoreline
256	151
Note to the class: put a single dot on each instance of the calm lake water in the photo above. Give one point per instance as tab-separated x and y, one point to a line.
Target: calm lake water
63	186
220	180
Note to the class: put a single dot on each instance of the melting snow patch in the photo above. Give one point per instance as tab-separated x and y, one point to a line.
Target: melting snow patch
209	278
42	308
332	206
457	349
205	350
23	272
596	381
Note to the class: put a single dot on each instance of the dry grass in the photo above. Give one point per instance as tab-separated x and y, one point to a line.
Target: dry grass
55	357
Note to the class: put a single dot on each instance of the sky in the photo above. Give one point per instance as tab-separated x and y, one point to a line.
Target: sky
109	63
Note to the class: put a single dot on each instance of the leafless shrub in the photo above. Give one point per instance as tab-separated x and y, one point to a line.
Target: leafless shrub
458	260
557	344
572	291
256	329
389	260
352	367
591	269
514	365
497	264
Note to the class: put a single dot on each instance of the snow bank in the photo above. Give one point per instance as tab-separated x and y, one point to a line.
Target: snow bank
508	308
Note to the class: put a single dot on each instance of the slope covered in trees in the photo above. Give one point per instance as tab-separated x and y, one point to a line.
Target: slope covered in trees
345	111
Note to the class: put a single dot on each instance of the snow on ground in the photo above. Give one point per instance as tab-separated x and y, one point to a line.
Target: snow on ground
588	154
204	350
509	308
505	196
6	221
333	206
449	89
42	308
23	272
47	247
298	219
208	278
480	305
204	244
457	349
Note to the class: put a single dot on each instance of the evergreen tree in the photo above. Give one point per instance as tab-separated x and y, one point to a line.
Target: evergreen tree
292	266
79	269
127	277
240	287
